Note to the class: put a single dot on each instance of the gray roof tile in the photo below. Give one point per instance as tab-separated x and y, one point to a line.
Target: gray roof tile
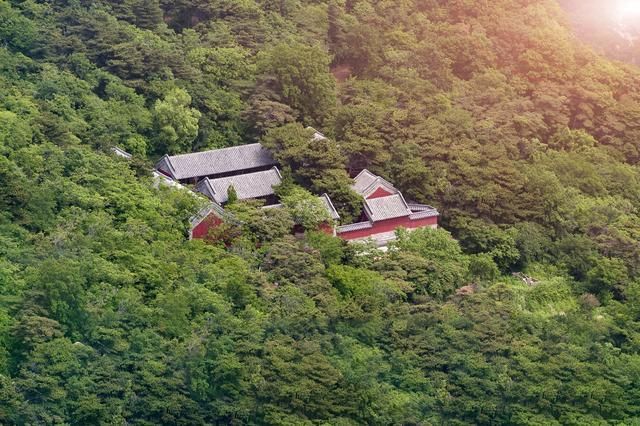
247	186
421	211
326	201
424	214
218	161
363	181
415	207
317	136
366	182
121	153
205	212
354	227
384	208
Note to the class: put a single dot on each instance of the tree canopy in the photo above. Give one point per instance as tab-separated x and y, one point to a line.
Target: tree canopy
524	309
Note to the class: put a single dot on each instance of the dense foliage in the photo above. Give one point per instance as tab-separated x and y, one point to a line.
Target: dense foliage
526	140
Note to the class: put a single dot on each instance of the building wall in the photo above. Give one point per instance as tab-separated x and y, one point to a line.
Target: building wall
212	221
202	229
390	225
163	167
328	228
379	193
382	229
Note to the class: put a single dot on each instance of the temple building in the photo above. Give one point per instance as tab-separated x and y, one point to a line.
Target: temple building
384	211
252	172
217	163
256	185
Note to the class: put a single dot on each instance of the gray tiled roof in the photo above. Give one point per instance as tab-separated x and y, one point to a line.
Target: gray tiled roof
415	207
247	186
121	153
383	208
218	161
326	201
421	211
363	181
354	227
366	182
205	212
424	214
317	136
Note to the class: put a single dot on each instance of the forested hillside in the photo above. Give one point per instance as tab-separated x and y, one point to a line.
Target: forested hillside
525	139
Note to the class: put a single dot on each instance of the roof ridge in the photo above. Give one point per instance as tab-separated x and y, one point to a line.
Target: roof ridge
404	202
212	150
364	171
230	178
326	197
168	158
208	183
379	179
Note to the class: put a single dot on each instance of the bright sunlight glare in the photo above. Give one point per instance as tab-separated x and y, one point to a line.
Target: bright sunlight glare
628	9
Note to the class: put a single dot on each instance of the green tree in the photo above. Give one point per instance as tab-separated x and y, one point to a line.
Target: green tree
306	209
176	123
608	276
147	13
429	259
482	268
301	79
14	132
315	163
17	31
262	224
232	195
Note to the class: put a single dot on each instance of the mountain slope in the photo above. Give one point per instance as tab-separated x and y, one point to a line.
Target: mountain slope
524	138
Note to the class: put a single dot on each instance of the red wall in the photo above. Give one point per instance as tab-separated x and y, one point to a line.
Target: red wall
212	221
379	193
164	172
327	228
390	225
202	229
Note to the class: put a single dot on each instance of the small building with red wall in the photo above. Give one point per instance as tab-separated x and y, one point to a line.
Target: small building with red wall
205	220
384	211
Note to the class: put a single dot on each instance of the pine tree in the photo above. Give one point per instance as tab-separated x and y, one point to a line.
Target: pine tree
148	14
232	195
